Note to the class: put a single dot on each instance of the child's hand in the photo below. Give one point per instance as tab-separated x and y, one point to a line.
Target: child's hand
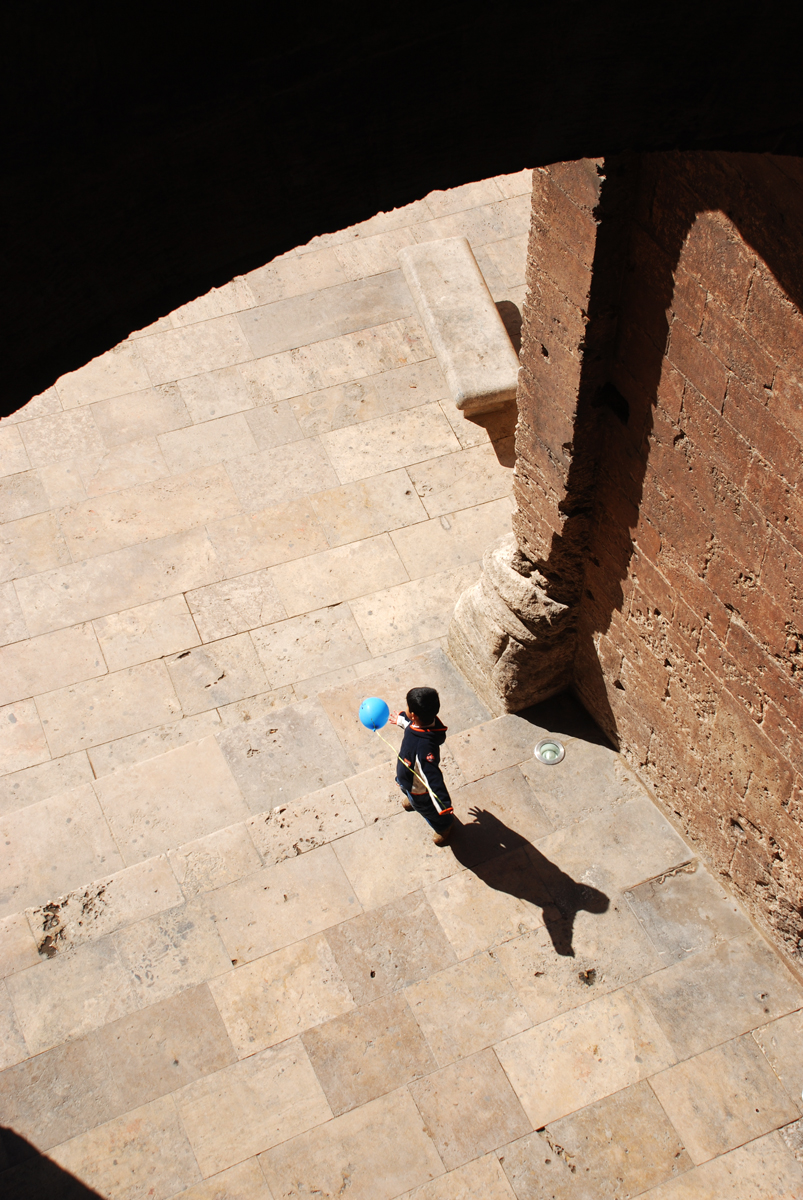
393	718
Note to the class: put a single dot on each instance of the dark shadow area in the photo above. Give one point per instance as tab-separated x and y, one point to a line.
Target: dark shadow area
508	862
27	1174
500	425
511	319
147	160
565	715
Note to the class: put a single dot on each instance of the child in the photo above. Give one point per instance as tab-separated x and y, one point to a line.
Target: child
420	753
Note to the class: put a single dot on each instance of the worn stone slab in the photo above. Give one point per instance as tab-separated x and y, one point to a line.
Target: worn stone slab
250	1106
149	631
376	793
620	1146
368	507
116	373
31	545
171	951
244	1181
389	948
685	912
22	738
40	782
292	829
174	798
214	860
17	945
215	393
144	1153
13	456
207	444
12	623
274	425
128	465
173	354
105	905
782	1044
469	1108
22	495
367	256
390	442
99	710
38	406
280	474
336	407
495	745
149	743
310	689
380	1149
12	1044
410	613
217	673
482	1008
467	334
279	905
340	574
465	478
293	275
591	779
281	995
50	847
235	606
278	534
507	797
233	297
482	1177
722	1098
254	707
454	541
141	414
284	755
310	645
61	436
720	993
581	1056
387	860
367	1053
38	664
72	994
758	1171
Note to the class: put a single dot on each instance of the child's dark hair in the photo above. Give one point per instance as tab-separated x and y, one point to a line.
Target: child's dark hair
425	703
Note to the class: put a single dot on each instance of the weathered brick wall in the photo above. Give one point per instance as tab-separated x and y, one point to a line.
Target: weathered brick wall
689	631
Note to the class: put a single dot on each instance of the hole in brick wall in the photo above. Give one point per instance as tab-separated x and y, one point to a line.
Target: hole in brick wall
618	684
544	351
590	595
610	397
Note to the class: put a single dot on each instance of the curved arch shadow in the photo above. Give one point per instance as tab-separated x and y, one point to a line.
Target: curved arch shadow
507	862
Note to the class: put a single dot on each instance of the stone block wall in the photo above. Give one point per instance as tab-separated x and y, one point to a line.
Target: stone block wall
660	485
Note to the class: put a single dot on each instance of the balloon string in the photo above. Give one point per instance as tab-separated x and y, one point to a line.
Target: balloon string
401	760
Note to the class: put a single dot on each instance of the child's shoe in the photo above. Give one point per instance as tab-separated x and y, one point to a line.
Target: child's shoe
406	805
443	838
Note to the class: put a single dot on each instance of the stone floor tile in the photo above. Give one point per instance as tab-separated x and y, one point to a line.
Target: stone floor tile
782	1044
460	708
591	779
723	1098
62	483
685	912
483	1177
129	417
138	747
520	183
144	1153
22	739
276	906
17	945
174	798
581	1056
310	689
465	478
33	784
232	297
149	631
166	1046
22	495
310	645
603	849
117	581
214	860
105	905
12	1044
719	993
217	673
382	662
12	623
610	949
53	846
100	710
61	1093
170	952
58	437
208	443
469	1108
618	1147
216	394
510	258
762	1170
254	707
243	1182
367	1053
480	911
38	406
204	347
279	534
336	407
340	574
367	256
368	507
250	1106
507	796
235	606
411	386
294	276
275	425
792	1137
495	745
31	545
388	443
102	524
118	372
292	829
285	754
275	476
466	1008
412	613
448	542
65	997
389	948
280	995
483	223
376	793
376	1151
388	859
468	195
122	467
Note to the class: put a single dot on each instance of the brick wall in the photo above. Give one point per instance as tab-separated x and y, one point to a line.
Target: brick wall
689	631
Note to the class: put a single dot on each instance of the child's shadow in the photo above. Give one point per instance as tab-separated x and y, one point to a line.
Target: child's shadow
488	847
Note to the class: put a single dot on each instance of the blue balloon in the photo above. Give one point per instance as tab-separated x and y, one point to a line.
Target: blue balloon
374	713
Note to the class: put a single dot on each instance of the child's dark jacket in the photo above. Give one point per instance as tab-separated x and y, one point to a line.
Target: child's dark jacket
421	752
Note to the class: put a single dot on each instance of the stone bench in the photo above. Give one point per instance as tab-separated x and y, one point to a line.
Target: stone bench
462	322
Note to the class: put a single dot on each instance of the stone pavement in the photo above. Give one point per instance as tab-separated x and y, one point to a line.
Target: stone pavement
232	966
